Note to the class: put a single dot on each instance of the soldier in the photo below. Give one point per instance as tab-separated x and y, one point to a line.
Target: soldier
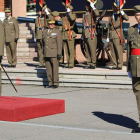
133	59
39	28
58	18
114	36
91	42
52	52
69	35
2	41
11	29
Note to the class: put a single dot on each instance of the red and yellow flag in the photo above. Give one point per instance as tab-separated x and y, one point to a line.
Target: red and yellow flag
66	2
41	3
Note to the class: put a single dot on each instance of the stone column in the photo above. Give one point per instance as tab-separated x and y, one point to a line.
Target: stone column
19	8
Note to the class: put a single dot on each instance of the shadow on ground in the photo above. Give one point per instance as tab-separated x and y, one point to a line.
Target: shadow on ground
117	119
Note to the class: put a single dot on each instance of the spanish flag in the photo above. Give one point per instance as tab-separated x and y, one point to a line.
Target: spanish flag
41	3
66	2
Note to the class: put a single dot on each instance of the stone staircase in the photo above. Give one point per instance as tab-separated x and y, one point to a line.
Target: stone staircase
71	78
26	48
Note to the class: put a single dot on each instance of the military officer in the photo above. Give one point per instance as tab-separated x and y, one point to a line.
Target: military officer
133	59
91	42
11	29
2	42
114	35
52	52
39	28
69	35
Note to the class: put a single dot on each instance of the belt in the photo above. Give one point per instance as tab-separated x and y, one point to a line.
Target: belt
41	28
88	27
135	52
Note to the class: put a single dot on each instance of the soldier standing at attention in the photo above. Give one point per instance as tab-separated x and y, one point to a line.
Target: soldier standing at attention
52	53
11	29
2	42
91	42
69	35
114	36
133	59
39	28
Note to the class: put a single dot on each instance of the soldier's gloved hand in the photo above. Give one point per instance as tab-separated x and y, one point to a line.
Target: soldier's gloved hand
59	56
0	59
34	39
44	7
16	40
68	10
122	12
129	74
47	12
107	39
92	5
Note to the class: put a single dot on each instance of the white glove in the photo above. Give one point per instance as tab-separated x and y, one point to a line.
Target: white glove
92	5
129	74
122	12
34	39
68	10
47	12
107	39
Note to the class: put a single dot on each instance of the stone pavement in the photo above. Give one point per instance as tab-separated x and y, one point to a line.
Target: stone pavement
91	114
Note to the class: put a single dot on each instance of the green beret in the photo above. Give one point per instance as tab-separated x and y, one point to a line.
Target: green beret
55	13
7	10
137	9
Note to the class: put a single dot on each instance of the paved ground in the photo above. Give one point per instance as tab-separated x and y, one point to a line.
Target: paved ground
91	114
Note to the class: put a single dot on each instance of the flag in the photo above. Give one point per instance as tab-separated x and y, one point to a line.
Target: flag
120	4
41	3
66	2
94	1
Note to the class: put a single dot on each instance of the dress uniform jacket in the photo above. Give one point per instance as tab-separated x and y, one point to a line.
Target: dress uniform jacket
11	29
87	16
91	44
65	26
115	43
2	41
52	47
133	61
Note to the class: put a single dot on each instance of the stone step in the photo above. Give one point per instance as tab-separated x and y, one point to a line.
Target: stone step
27	36
26	24
26	32
29	45
26	28
26	40
24	49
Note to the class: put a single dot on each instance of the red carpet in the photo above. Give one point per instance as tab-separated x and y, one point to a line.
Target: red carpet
18	108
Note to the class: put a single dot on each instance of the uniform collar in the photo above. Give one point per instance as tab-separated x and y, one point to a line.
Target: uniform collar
9	18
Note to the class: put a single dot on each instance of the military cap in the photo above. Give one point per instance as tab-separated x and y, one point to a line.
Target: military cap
71	7
137	9
114	4
55	13
52	21
7	10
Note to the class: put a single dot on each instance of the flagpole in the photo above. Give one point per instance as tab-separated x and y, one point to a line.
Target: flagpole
121	23
92	21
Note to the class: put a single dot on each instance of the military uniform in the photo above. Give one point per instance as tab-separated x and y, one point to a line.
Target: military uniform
39	28
11	29
52	49
133	60
115	43
91	43
69	43
2	41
